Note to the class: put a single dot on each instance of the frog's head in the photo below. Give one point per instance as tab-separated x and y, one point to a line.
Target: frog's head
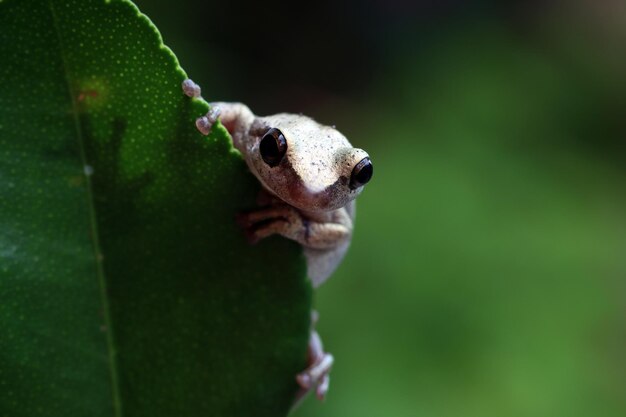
308	165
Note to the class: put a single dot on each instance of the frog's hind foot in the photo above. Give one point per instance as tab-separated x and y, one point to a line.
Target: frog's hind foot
316	375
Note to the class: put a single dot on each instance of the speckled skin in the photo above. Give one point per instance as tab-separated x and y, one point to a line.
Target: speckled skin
313	203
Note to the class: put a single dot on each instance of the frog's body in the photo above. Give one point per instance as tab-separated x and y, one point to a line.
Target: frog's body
311	176
313	202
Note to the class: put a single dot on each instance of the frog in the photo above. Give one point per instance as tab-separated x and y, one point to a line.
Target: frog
310	176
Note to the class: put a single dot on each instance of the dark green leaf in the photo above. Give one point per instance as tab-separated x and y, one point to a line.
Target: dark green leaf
125	286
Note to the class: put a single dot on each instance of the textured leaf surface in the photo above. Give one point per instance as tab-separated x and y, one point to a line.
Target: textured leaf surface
125	286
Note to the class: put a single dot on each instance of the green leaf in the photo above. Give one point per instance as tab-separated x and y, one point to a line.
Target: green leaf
126	287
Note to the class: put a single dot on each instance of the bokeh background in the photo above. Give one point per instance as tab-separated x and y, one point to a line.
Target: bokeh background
486	276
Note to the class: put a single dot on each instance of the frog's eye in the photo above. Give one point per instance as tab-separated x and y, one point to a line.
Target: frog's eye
361	174
273	147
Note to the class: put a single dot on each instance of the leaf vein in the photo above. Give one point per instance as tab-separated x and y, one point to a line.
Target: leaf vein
117	404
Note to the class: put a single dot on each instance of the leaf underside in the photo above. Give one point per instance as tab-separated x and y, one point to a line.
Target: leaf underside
126	287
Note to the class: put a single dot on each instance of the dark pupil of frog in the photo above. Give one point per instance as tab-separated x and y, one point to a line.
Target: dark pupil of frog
362	173
365	174
273	147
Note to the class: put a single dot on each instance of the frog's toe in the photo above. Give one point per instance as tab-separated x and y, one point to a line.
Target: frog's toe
191	89
248	229
316	375
204	125
322	387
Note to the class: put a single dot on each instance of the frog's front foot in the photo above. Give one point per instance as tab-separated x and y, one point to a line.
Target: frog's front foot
191	89
206	122
279	218
316	374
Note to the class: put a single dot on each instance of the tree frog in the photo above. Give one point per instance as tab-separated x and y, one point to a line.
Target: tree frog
310	176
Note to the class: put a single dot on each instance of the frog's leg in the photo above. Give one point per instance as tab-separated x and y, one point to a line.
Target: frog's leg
319	365
236	117
285	220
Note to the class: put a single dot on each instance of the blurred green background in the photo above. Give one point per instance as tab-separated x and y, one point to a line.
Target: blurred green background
486	276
